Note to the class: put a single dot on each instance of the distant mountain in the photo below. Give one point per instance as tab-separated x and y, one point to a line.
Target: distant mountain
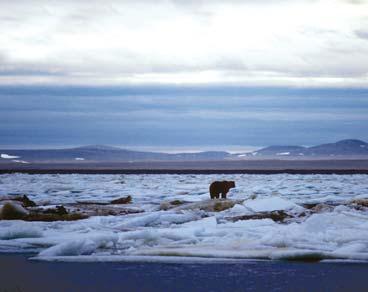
97	153
350	147
102	153
343	147
280	150
98	148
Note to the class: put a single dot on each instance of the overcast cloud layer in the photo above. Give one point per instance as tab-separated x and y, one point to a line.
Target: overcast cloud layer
182	72
277	43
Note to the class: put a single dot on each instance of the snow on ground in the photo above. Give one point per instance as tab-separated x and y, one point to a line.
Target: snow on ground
270	204
20	161
340	233
6	156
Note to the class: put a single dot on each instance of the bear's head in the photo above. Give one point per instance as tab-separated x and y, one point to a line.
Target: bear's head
231	184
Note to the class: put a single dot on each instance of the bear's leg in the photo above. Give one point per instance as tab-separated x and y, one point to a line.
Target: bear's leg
213	195
223	195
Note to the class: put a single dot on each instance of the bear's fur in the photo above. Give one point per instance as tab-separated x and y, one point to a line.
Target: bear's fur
220	187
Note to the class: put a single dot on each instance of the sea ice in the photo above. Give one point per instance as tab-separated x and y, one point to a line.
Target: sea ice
270	204
193	230
20	230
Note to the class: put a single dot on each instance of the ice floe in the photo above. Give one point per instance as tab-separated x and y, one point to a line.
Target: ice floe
267	217
270	204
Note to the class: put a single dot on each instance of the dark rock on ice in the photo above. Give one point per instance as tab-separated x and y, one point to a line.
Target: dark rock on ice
90	209
123	200
277	216
216	205
58	210
26	202
23	199
54	217
171	204
13	211
360	202
319	207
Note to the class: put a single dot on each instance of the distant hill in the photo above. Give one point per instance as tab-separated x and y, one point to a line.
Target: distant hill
96	153
343	147
350	147
102	153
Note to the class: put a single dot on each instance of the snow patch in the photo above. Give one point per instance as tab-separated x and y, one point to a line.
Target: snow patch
158	218
283	153
21	161
6	156
270	204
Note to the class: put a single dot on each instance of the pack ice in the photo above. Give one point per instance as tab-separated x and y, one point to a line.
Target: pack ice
268	217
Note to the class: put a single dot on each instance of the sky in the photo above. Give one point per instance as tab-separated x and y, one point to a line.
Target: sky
182	73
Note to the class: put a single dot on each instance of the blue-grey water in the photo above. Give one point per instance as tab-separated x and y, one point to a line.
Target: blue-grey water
20	274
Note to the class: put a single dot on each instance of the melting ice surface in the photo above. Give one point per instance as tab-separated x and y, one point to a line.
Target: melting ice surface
338	233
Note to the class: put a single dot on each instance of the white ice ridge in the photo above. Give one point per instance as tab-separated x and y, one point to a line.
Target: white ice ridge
270	204
336	235
339	232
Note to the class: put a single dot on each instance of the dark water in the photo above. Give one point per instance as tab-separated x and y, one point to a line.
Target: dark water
19	274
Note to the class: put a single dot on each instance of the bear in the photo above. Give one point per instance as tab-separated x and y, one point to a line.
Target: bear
220	187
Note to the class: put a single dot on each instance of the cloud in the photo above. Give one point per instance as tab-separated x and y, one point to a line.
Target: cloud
362	34
356	1
175	115
278	42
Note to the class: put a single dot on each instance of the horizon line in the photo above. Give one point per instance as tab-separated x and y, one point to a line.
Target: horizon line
170	149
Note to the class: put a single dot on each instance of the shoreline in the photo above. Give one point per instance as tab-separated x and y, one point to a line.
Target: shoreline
18	273
186	171
338	166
